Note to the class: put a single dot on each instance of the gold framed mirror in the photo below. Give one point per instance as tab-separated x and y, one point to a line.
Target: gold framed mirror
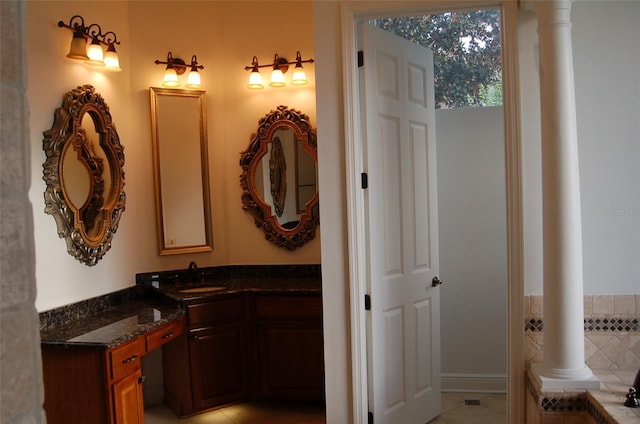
84	173
279	178
181	170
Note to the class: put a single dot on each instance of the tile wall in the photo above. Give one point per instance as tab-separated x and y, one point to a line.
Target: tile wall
612	351
612	331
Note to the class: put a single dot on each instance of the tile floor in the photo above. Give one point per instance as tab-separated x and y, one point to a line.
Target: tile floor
245	413
492	410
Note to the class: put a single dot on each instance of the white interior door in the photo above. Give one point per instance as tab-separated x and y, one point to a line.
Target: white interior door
403	326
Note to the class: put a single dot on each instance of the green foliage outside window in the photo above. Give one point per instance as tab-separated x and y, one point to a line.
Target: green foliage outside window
466	53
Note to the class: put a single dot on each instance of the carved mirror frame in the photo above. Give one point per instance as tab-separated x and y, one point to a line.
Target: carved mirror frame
263	213
88	229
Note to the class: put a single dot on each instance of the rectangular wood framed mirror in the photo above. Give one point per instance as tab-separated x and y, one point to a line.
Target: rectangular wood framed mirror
181	170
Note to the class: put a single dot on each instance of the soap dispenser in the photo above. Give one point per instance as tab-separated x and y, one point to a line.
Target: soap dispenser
632	396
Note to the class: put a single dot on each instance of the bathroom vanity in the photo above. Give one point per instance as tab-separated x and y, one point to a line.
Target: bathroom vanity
226	337
246	339
91	366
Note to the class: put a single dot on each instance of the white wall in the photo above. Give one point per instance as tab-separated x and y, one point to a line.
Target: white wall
606	65
473	253
224	36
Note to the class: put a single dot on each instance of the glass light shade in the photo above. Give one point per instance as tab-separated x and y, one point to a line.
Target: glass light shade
193	79
277	78
78	49
111	60
95	53
170	78
255	80
299	76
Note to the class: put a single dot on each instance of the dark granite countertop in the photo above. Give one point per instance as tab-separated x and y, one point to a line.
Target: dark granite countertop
158	298
201	291
112	327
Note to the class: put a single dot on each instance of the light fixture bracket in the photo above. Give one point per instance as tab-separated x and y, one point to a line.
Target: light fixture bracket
179	65
94	33
279	63
89	32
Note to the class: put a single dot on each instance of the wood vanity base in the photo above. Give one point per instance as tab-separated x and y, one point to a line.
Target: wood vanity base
245	347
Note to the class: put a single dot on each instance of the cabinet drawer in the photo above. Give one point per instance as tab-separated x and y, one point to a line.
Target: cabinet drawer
289	307
164	334
126	358
216	311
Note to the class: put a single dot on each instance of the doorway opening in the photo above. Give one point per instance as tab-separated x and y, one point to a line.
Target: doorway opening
466	46
509	261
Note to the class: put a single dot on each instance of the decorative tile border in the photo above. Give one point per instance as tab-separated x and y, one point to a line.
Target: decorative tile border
593	324
564	404
611	331
611	324
597	414
557	404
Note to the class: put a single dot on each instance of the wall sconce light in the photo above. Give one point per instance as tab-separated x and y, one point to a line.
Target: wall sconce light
279	67
177	66
93	54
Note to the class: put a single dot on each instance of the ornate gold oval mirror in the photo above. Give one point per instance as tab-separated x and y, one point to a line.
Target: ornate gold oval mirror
181	170
279	178
84	174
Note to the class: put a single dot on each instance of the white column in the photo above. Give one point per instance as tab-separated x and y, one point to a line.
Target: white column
563	365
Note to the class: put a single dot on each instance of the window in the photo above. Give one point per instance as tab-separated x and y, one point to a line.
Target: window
467	51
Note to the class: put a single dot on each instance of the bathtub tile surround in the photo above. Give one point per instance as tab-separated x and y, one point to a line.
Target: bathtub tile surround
612	331
612	351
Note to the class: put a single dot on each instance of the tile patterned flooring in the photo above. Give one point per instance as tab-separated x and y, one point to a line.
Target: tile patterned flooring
492	410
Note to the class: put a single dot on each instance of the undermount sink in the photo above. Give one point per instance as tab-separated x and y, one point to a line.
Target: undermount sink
201	289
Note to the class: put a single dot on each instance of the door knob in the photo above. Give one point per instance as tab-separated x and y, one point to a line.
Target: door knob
436	282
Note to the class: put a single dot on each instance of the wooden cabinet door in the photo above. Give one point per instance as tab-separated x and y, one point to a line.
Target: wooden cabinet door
127	399
290	347
291	360
218	364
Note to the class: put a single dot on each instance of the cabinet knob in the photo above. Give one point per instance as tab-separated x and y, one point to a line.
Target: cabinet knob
195	337
168	335
142	379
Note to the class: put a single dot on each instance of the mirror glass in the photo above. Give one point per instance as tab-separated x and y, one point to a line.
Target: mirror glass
285	177
181	171
280	178
84	174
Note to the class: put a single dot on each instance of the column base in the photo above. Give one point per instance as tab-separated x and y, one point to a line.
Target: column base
583	379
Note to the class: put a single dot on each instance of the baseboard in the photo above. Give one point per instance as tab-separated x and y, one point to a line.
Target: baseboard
484	383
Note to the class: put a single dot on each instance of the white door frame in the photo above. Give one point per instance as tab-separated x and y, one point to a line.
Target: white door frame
350	13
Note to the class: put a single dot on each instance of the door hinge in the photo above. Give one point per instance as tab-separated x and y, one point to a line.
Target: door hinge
360	58
370	418
367	302
364	180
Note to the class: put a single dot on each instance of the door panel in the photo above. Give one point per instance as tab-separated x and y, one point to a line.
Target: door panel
218	358
127	399
401	211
